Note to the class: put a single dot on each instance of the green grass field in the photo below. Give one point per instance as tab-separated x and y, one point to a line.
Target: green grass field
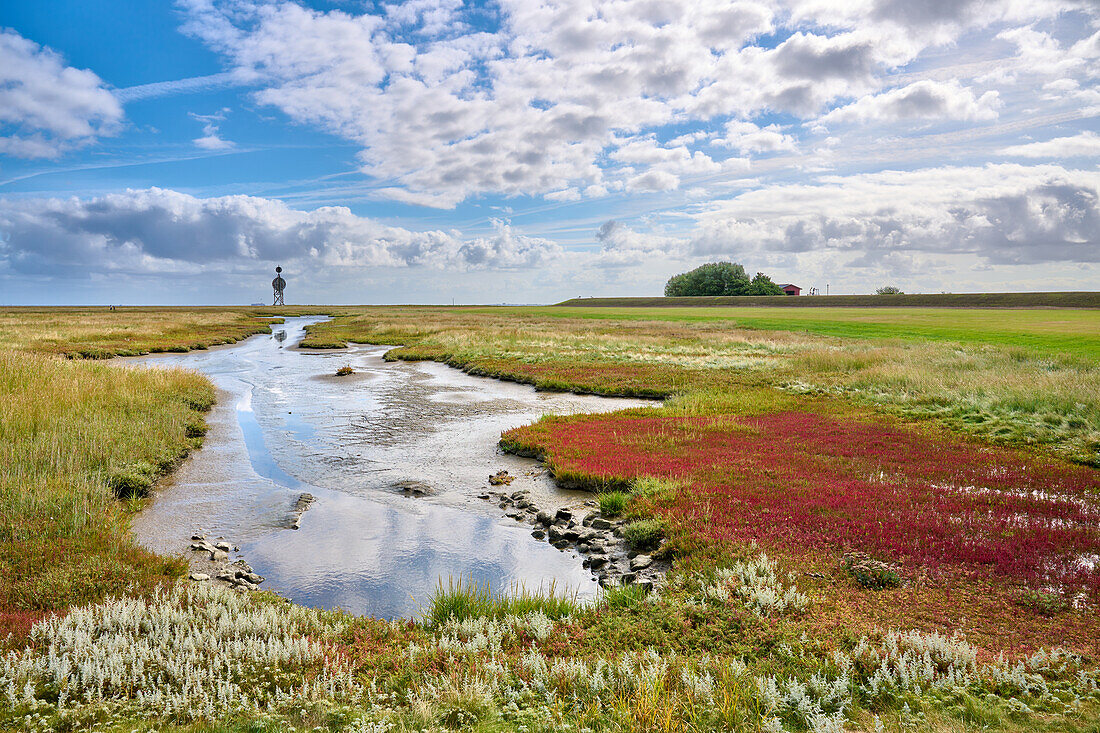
1081	299
1071	333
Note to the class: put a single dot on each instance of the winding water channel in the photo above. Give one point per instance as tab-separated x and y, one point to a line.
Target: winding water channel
285	425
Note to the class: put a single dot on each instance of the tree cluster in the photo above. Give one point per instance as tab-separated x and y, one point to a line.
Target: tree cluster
720	278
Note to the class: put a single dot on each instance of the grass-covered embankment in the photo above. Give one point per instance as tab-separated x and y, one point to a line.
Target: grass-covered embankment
1056	333
1077	299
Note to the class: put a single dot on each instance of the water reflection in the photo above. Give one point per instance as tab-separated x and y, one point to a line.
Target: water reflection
284	425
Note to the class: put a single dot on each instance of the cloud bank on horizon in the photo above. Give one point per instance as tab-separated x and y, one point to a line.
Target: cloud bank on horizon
548	148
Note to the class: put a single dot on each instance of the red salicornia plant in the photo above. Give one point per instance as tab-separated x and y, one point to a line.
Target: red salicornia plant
805	479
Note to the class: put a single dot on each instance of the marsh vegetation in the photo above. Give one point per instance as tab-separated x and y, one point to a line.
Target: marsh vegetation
876	522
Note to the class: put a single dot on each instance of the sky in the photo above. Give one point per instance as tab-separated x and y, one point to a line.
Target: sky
529	151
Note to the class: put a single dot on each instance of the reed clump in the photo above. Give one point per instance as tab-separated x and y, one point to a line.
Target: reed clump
466	598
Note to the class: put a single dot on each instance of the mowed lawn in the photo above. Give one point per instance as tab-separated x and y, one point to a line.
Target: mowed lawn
1056	331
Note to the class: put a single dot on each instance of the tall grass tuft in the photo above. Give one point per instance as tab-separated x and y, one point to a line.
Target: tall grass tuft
623	596
468	598
650	487
612	503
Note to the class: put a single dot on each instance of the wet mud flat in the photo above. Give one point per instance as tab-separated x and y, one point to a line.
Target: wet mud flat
393	459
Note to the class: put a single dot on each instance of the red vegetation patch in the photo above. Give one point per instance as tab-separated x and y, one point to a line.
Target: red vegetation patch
807	480
19	623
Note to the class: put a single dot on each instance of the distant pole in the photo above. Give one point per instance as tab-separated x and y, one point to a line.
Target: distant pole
826	288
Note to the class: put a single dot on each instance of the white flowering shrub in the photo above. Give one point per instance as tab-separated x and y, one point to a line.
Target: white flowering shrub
757	583
199	653
193	652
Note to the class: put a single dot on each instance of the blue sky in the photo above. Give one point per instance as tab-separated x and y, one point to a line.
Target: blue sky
522	151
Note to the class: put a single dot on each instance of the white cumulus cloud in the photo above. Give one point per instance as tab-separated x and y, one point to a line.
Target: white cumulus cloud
1085	144
155	229
922	100
47	107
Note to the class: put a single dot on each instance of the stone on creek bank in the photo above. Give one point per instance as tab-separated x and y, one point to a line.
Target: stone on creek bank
250	577
609	557
217	568
501	478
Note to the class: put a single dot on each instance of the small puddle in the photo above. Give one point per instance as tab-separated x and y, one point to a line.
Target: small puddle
285	425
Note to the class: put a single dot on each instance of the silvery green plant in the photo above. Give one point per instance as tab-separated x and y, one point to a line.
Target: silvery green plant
200	653
757	583
191	652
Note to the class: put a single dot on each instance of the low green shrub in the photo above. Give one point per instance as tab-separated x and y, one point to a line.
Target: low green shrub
644	534
1046	604
870	573
344	371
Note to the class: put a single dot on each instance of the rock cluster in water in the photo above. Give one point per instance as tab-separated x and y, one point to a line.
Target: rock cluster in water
216	568
413	488
300	506
598	538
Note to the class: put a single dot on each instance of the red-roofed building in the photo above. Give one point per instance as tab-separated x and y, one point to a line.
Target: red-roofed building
790	289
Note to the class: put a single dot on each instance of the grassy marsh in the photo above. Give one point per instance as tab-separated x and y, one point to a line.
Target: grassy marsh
100	333
738	640
73	436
